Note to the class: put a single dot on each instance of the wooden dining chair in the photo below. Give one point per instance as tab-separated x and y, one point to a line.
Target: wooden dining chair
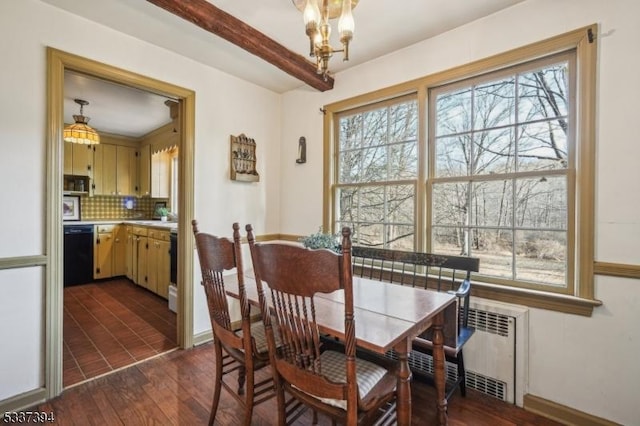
348	389
439	272
242	349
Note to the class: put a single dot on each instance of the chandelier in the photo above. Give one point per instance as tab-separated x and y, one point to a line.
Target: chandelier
80	132
316	15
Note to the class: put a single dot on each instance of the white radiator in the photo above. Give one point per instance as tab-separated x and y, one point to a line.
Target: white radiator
496	356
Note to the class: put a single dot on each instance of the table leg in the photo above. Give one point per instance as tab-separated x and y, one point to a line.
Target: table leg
403	388
439	368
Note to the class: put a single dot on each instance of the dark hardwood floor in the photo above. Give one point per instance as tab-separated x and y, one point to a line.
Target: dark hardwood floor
176	389
112	324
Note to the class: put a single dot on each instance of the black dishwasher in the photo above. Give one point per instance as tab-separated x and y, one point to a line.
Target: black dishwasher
78	254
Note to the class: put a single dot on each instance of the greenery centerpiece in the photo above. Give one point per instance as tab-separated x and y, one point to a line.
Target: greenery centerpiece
320	240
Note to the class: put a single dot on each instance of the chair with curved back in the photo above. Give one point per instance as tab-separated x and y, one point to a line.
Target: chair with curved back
337	383
244	349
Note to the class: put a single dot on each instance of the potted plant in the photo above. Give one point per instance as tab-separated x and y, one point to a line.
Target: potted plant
320	240
162	212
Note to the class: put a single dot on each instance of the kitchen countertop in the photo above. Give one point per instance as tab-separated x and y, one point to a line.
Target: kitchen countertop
150	223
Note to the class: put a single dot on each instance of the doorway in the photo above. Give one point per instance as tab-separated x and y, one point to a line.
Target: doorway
58	62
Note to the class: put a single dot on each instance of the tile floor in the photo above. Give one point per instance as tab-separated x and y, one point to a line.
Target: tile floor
112	324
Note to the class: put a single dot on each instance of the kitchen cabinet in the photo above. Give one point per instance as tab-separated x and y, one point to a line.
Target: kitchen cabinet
144	174
109	251
127	170
104	169
160	174
159	262
148	259
75	185
115	170
138	253
78	159
119	250
131	267
103	251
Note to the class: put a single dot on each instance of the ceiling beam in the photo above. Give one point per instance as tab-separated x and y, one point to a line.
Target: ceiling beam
216	21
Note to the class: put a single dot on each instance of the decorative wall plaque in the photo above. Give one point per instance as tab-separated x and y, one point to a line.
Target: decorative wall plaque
243	159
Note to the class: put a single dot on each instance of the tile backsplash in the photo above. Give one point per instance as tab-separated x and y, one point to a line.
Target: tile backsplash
114	207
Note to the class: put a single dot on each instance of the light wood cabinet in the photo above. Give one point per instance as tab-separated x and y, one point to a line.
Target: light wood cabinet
103	251
78	159
109	251
120	251
138	254
115	170
160	174
130	259
147	259
164	268
126	170
159	262
144	175
142	277
104	169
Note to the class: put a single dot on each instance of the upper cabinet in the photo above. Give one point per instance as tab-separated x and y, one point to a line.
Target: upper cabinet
104	173
127	171
160	174
115	170
156	151
145	171
155	173
78	159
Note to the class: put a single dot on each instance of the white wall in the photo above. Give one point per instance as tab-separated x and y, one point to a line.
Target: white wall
27	27
589	364
21	330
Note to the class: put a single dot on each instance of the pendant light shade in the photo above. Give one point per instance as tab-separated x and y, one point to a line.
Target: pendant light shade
80	132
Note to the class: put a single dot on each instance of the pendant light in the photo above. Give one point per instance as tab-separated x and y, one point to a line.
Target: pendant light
316	15
80	132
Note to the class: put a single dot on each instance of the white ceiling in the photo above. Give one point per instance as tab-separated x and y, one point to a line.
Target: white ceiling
113	108
382	27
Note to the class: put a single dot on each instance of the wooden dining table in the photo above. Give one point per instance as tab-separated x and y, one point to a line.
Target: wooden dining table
387	316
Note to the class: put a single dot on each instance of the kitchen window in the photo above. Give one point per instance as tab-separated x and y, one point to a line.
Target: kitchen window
494	160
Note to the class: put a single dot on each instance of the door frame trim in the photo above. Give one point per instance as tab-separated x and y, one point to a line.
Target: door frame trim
57	63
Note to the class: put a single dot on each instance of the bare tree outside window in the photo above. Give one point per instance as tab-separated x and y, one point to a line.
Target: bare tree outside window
377	172
493	159
500	175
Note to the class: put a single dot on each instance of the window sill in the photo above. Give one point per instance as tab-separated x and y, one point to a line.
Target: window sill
536	299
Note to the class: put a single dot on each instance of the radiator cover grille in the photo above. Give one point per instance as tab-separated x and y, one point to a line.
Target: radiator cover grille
423	363
495	356
489	322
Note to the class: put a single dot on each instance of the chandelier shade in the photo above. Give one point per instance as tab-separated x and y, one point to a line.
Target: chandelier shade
80	132
316	15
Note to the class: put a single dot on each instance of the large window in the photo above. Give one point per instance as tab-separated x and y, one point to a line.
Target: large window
377	173
501	147
493	160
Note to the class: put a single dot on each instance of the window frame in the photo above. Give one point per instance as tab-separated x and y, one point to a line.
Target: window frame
583	40
568	56
407	181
